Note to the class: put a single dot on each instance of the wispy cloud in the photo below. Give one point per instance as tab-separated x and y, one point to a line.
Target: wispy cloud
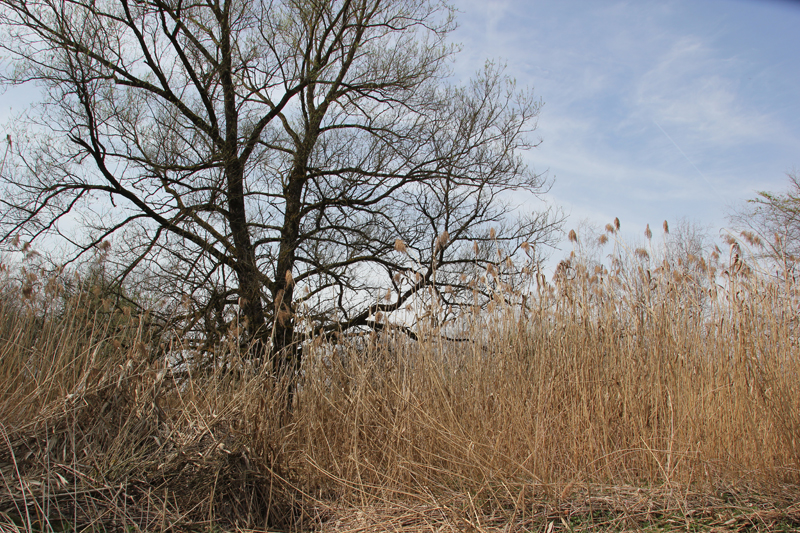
695	88
652	110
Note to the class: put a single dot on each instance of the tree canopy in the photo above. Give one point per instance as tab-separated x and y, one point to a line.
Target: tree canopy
770	225
267	157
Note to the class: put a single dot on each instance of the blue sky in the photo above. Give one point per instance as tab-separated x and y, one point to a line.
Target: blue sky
652	110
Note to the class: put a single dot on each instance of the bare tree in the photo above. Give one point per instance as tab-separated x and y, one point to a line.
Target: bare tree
769	224
269	156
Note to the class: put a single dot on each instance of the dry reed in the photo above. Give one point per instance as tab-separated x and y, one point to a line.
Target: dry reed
616	396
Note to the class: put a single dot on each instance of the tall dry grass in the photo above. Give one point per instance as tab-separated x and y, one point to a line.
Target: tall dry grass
668	374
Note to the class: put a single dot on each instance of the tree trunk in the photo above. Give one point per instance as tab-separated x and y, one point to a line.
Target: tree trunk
250	279
286	352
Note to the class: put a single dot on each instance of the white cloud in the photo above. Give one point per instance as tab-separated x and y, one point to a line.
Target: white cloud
694	89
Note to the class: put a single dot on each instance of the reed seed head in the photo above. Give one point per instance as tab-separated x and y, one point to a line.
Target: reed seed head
442	240
27	290
752	239
573	237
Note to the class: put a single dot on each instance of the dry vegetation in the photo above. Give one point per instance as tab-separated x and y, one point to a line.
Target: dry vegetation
654	392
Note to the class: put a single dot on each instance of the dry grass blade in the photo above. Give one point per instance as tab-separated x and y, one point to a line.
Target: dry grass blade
647	393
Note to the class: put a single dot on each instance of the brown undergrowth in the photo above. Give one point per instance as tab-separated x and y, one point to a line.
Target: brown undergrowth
647	393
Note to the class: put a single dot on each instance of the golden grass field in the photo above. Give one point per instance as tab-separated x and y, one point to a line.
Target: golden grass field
652	393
